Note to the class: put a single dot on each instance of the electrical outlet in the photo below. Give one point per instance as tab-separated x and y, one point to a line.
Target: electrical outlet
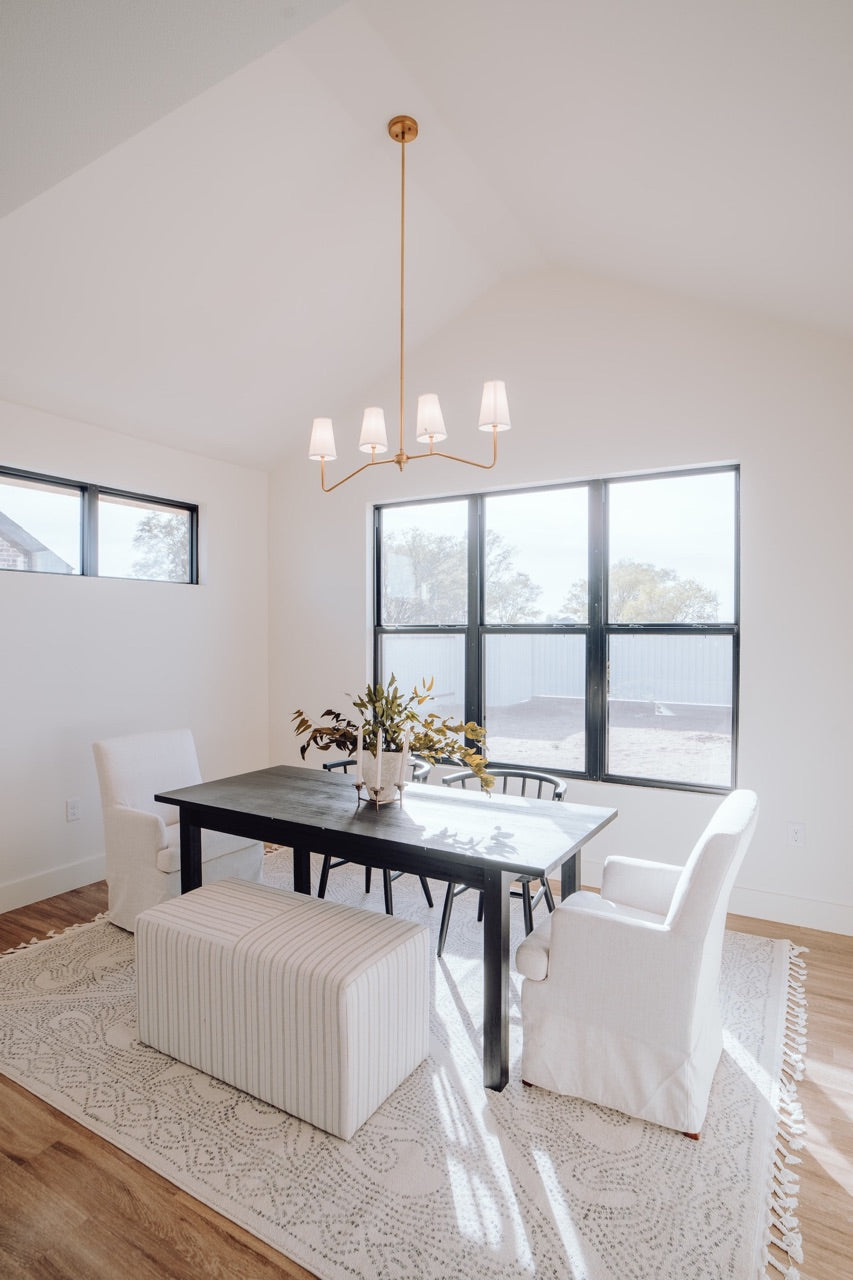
797	835
73	809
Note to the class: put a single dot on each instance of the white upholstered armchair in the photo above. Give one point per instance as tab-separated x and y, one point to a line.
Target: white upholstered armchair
142	838
620	1000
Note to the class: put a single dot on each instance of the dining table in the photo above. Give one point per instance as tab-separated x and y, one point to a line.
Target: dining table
478	839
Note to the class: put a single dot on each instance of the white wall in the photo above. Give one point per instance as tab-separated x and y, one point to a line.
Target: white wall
83	658
605	378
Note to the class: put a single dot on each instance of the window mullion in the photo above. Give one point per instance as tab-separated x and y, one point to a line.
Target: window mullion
378	570
473	644
596	670
89	531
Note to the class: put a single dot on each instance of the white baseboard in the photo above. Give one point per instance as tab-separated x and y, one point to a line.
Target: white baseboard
20	893
808	913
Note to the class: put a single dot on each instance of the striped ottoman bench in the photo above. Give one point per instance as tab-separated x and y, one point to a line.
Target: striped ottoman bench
318	1008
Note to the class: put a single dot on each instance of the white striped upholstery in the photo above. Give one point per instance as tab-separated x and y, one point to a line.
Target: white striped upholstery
318	1008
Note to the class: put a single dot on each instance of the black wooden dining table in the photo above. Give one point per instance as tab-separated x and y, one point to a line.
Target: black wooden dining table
474	838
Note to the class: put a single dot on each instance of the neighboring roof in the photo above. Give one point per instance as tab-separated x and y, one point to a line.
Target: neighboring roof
44	559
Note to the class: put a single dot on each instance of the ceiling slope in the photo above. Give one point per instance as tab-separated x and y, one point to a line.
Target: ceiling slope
201	243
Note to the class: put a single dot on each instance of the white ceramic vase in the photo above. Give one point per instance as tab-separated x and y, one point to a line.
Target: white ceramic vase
390	776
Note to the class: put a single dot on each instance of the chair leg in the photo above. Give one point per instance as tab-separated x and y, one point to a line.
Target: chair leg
425	887
549	897
324	875
527	906
445	917
367	871
386	885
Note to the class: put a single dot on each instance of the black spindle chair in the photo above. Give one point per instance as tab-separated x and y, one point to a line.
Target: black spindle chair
524	782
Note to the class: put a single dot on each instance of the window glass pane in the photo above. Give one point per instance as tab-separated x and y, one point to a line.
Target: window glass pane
670	708
39	526
142	540
672	549
535	700
425	564
536	556
413	659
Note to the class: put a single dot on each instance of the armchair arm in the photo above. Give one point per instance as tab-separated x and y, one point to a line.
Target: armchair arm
532	958
134	833
647	886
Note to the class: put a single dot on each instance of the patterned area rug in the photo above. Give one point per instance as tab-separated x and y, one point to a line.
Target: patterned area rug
446	1179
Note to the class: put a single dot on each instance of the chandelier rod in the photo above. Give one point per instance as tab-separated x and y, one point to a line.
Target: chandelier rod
402	276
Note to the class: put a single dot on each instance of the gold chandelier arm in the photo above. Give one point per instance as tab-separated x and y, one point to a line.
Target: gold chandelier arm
374	462
469	462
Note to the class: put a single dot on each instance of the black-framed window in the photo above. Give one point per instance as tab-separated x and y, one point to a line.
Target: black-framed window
592	628
53	525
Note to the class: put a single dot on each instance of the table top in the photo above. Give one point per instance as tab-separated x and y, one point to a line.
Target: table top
456	827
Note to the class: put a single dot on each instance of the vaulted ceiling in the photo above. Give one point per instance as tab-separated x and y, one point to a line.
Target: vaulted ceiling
200	199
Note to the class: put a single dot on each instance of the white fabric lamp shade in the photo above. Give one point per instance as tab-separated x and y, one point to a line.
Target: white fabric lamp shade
322	444
494	410
430	421
373	434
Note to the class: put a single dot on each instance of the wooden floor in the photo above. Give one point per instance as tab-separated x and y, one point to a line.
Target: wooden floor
73	1207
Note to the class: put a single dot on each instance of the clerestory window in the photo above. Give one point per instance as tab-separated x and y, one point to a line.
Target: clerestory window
51	525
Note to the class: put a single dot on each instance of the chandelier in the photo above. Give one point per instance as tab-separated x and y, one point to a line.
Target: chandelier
429	425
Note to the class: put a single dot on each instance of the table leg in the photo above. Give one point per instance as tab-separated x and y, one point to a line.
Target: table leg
302	870
570	875
496	979
387	891
190	855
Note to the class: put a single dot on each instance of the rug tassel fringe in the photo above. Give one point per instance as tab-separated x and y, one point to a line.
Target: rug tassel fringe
783	1232
52	933
788	1273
